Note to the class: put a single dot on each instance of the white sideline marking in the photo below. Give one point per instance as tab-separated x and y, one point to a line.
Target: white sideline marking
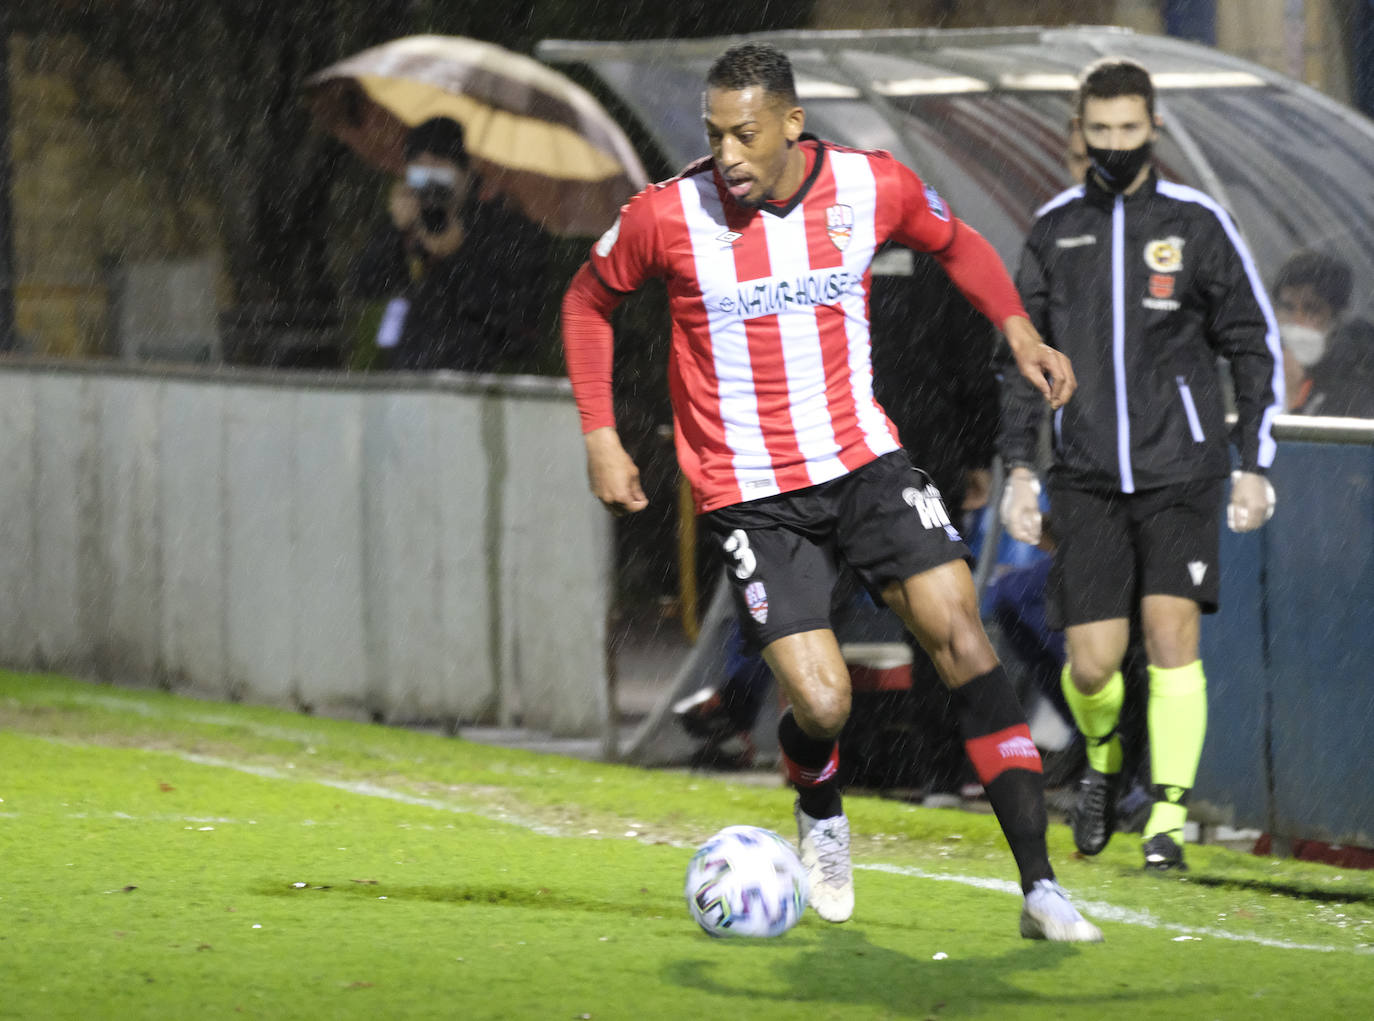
1097	909
370	790
1103	911
1100	910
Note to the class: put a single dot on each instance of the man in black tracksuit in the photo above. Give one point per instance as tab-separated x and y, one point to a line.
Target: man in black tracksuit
1143	284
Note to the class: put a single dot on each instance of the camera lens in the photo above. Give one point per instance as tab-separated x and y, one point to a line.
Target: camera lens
435	204
434	218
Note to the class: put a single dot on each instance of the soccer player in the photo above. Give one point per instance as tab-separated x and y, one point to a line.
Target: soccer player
1143	283
765	248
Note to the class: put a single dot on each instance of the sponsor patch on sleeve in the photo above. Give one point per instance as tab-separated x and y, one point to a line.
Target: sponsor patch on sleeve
937	205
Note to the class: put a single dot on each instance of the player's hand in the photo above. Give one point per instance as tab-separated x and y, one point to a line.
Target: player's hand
1048	370
1252	501
1021	506
612	473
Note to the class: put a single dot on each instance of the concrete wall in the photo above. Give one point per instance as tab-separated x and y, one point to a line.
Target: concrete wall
402	548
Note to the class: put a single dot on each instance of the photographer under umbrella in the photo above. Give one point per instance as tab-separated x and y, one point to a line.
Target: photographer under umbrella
457	268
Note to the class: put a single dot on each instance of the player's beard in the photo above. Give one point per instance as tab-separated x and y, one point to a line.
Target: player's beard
765	195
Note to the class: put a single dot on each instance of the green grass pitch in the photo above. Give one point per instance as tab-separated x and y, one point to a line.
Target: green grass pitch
162	857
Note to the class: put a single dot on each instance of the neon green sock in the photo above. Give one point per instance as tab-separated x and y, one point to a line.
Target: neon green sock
1097	716
1178	723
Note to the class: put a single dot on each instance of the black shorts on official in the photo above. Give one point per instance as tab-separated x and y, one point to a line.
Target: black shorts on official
1112	549
783	554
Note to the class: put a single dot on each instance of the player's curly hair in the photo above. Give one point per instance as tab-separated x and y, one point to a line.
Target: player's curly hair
750	64
1110	77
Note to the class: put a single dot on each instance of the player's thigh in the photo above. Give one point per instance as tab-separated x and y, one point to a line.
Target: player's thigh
812	674
1093	574
940	607
1178	532
892	523
780	579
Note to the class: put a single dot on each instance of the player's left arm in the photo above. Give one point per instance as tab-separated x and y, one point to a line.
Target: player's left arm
1242	329
622	259
926	224
588	343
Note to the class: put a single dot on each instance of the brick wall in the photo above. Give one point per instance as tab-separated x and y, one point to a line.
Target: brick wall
95	187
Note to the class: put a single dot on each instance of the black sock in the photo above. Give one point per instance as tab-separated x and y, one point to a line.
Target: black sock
999	744
811	766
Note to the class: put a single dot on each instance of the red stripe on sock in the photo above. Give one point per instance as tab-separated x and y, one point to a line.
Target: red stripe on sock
994	754
803	777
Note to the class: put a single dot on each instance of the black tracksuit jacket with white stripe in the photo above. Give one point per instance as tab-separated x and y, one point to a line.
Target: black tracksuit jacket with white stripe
1143	292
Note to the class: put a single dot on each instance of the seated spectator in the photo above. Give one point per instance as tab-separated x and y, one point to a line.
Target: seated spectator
463	272
1328	355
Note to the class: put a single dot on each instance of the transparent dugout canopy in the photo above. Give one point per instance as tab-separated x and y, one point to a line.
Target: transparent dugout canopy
983	116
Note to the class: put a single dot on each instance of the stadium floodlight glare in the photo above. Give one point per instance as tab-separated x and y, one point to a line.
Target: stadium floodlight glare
816	88
935	85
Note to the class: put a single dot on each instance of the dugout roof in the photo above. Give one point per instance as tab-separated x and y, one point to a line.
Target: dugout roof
982	115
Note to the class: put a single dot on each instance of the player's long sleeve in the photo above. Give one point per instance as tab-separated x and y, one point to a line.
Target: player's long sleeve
588	347
977	270
926	224
1023	409
1243	330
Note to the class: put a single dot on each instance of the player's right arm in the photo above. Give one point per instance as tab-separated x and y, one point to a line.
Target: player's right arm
622	259
1023	410
926	224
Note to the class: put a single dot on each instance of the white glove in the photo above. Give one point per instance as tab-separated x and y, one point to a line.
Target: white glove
1021	506
1252	501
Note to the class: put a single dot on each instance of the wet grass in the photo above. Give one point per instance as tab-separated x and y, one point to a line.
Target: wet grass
164	857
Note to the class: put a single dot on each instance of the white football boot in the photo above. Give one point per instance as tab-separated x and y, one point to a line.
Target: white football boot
1049	915
825	856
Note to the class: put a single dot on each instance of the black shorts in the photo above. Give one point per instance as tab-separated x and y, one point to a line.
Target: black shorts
783	554
1112	549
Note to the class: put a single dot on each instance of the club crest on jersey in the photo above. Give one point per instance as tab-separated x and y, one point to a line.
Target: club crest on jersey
1164	255
839	224
757	600
938	209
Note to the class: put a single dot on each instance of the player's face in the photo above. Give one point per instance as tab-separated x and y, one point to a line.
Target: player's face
752	134
1121	122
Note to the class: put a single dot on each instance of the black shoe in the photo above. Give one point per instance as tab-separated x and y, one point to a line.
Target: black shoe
1133	809
1163	854
1094	816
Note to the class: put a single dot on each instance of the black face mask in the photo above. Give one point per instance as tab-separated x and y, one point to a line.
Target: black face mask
1117	168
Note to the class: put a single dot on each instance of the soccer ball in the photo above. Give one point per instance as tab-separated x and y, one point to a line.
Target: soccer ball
746	881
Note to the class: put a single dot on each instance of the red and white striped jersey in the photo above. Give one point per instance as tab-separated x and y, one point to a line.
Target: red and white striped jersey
770	368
